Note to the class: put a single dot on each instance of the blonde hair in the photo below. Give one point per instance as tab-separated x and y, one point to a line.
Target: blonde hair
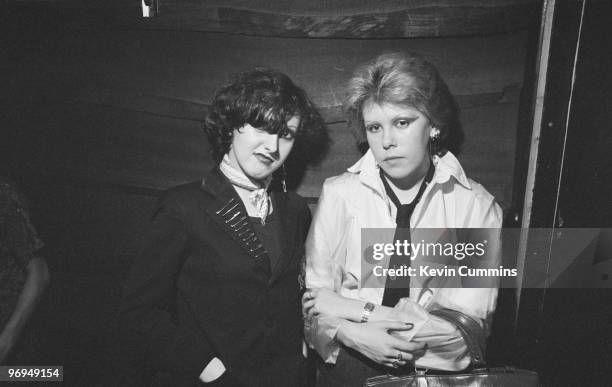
404	79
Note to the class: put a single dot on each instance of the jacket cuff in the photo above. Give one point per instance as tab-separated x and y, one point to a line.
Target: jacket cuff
321	336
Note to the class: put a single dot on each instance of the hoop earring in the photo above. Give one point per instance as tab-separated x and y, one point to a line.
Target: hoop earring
284	178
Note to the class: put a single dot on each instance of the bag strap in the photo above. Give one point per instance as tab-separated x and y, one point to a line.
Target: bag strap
472	332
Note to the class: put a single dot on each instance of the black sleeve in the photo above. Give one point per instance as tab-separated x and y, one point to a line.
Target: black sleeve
146	318
307	217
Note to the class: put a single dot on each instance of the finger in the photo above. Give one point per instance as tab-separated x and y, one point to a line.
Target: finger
308	304
394	363
395	354
408	346
397	325
406	356
401	356
306	308
307	296
312	312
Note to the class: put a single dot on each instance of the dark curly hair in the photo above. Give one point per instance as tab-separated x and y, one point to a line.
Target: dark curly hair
265	98
404	79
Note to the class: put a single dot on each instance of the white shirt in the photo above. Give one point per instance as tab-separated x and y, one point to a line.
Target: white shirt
357	199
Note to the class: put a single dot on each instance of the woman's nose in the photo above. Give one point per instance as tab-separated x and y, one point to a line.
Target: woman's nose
388	138
271	142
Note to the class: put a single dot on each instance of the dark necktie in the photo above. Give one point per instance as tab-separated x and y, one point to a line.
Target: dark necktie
400	286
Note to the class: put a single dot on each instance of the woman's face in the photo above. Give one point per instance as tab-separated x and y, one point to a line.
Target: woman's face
398	137
258	153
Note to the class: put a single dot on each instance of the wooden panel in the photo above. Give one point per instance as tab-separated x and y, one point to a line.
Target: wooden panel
138	68
425	21
91	144
317	19
189	110
489	148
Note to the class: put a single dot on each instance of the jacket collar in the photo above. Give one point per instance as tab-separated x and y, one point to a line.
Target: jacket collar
447	166
216	184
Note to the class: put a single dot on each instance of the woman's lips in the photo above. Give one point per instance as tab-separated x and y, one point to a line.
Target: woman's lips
392	158
264	159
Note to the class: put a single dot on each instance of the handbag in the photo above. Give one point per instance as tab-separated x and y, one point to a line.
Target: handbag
478	375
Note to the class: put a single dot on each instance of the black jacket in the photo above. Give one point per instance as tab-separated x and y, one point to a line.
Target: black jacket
201	288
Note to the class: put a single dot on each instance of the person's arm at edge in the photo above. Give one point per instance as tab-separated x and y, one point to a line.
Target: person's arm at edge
37	280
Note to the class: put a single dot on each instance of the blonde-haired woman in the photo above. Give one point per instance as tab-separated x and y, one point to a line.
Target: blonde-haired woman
409	178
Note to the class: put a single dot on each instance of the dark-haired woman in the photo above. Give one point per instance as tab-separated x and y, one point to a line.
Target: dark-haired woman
409	178
214	295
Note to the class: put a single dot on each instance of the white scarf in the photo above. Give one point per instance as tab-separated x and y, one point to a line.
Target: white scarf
259	196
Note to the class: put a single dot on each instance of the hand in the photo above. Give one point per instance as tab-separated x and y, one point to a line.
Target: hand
329	303
374	341
213	370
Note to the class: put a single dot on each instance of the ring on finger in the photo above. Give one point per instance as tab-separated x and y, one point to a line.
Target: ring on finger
396	364
399	356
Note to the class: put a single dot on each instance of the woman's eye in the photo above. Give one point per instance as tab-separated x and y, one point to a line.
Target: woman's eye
287	134
403	123
373	128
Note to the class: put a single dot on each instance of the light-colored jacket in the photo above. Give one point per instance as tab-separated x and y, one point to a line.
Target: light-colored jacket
356	200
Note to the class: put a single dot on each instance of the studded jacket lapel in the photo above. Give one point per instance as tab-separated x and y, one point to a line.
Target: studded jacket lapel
228	211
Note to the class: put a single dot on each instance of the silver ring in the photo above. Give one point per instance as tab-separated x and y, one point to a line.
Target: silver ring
396	364
399	356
